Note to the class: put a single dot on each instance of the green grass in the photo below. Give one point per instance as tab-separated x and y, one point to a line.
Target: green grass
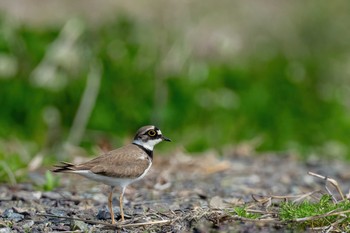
51	182
242	212
316	214
321	214
13	167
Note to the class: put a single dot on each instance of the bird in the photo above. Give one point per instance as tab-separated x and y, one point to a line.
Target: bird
120	167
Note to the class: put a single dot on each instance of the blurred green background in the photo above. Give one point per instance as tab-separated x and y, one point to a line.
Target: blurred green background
209	74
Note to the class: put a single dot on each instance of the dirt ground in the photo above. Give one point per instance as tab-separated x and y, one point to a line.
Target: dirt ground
181	193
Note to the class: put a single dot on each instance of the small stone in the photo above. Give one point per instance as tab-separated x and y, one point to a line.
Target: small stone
5	230
37	195
201	193
22	211
28	224
138	210
217	203
28	196
61	227
79	225
58	212
174	207
11	215
104	214
52	195
99	197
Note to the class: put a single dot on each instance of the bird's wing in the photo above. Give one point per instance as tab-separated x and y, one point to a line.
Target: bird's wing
126	162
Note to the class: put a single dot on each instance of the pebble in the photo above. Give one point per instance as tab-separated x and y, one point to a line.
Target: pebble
11	215
174	207
58	212
99	197
60	227
28	195
218	203
79	225
52	195
23	211
103	213
5	230
28	224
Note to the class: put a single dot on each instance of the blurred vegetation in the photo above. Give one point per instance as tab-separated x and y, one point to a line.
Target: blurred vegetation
283	84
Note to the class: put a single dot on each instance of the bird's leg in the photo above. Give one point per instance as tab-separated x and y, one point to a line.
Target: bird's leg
110	205
121	203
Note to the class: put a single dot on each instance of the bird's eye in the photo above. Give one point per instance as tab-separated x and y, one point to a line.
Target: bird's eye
152	133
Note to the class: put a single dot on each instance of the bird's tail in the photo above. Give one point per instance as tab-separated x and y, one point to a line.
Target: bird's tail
63	167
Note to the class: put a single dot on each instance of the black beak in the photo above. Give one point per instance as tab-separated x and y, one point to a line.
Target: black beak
166	139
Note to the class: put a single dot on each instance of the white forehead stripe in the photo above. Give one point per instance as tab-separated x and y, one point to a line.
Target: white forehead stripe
159	132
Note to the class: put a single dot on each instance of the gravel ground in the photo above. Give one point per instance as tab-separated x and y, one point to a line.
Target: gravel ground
180	194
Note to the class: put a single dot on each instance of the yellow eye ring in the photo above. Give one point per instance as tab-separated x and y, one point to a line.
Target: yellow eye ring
152	133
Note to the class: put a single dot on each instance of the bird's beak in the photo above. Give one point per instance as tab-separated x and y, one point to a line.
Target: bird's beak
166	139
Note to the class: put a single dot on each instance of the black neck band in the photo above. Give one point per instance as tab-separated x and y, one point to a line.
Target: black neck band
148	152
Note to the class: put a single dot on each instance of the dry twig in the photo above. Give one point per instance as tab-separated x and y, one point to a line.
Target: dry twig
118	226
332	213
330	180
